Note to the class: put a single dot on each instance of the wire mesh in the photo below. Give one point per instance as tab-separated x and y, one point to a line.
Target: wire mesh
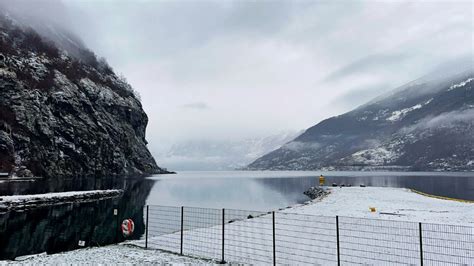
164	228
305	239
202	232
253	237
371	241
448	244
248	237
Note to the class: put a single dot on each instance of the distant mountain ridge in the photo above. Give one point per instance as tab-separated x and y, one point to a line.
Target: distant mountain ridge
425	125
221	155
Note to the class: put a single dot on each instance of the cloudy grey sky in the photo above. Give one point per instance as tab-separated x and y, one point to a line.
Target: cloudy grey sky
233	69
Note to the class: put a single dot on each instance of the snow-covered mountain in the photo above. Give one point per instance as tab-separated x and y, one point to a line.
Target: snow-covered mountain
427	124
221	155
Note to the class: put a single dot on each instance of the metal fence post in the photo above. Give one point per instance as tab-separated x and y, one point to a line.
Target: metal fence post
117	225
421	245
337	238
274	250
146	227
182	227
223	235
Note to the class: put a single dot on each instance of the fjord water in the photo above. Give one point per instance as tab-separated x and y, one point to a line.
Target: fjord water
266	190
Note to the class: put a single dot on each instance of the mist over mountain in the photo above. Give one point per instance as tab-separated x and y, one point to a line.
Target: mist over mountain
425	125
221	155
64	113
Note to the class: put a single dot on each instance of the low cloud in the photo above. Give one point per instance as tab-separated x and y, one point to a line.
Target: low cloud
196	106
444	120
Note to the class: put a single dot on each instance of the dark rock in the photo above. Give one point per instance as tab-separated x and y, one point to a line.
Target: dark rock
315	192
63	117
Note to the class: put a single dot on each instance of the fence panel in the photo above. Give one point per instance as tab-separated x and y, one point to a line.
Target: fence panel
164	228
371	241
305	239
448	244
253	237
202	233
248	237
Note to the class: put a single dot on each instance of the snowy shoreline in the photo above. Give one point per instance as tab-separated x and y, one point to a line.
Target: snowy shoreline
389	203
23	202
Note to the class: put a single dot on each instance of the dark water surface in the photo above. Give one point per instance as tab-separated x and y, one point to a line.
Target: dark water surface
59	228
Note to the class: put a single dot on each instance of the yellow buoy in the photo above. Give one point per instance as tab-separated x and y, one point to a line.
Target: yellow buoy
322	180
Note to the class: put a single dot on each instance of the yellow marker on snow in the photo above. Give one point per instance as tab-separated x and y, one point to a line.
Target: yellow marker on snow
372	209
322	180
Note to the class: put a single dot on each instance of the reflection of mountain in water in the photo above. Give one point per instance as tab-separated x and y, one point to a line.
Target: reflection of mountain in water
59	228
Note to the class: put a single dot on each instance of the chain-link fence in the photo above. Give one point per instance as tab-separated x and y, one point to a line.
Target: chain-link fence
239	236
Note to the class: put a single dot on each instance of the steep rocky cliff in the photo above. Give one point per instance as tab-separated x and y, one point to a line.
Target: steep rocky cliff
65	114
426	125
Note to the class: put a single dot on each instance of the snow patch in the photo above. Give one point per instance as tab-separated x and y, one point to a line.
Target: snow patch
376	156
461	84
398	115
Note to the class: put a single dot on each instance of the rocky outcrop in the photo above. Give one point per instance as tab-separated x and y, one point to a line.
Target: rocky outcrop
316	192
64	116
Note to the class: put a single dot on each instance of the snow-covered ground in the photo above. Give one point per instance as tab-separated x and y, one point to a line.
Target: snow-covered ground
108	255
391	204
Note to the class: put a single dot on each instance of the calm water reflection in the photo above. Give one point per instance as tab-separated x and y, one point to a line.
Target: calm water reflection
270	190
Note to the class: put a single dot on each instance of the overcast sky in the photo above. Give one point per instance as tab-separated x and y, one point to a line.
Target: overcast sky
233	69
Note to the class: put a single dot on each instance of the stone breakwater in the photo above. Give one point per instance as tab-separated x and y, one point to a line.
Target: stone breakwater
316	192
24	202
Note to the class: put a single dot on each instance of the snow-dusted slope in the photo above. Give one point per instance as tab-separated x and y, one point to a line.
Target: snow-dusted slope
425	125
